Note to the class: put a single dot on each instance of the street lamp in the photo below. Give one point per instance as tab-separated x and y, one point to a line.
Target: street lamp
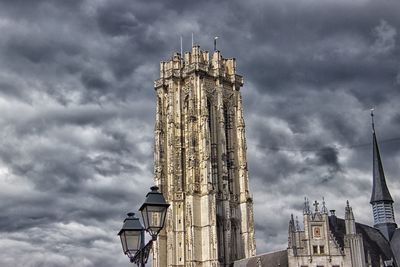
132	235
153	210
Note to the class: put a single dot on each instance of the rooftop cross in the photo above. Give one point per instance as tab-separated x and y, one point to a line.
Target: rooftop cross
316	205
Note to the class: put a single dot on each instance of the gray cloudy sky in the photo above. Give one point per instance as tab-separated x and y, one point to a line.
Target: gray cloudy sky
77	112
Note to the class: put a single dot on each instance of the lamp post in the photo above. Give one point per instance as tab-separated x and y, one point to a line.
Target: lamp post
153	210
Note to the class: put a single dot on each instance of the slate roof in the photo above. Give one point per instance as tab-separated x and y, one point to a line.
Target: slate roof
273	259
374	242
395	244
380	191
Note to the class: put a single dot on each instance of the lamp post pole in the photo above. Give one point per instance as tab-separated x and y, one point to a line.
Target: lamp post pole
153	211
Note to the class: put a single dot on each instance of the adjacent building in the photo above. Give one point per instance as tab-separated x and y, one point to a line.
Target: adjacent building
329	241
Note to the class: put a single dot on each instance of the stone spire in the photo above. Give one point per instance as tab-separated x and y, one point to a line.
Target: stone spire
353	240
324	209
297	224
291	224
349	220
381	200
306	209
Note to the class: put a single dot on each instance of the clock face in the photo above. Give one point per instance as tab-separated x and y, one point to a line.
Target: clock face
316	232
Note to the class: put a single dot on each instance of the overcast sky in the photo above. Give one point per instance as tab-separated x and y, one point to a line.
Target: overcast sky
77	108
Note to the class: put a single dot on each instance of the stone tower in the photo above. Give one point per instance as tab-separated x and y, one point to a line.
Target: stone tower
200	162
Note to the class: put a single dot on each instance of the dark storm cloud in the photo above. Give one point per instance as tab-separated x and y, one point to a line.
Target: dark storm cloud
317	78
328	156
77	112
322	46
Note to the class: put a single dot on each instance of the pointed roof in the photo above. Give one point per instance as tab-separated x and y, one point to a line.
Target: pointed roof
380	191
349	215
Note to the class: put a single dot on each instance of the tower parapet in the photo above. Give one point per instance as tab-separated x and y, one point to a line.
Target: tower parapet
199	62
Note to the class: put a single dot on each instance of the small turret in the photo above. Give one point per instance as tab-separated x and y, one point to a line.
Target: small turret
306	209
291	224
297	225
353	240
349	220
324	209
291	239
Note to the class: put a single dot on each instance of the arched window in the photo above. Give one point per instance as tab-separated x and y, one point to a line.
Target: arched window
228	119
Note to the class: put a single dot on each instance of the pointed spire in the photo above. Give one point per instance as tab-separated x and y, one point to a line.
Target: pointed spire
297	224
372	120
324	210
380	191
349	212
291	224
381	200
306	209
349	220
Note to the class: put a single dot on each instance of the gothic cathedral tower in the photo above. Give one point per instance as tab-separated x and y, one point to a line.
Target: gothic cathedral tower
200	163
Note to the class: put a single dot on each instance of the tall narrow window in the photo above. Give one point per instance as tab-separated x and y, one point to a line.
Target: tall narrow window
220	238
234	241
213	142
229	148
183	141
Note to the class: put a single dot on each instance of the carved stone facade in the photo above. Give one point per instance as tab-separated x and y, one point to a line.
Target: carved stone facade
328	241
200	162
317	245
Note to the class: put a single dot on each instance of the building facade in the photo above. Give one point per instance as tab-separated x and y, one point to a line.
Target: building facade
200	162
329	241
316	245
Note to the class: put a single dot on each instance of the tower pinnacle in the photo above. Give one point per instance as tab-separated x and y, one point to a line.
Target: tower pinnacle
372	120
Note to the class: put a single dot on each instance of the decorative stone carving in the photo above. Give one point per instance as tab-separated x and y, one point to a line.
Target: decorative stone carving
200	161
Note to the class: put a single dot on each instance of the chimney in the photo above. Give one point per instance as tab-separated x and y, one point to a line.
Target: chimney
333	219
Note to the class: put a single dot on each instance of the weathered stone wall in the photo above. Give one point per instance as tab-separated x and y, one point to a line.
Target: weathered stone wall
200	162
